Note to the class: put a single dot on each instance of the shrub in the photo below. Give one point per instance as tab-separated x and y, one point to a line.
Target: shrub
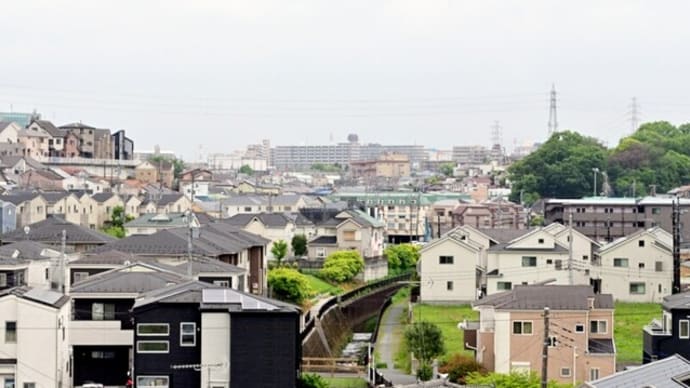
342	266
288	284
425	372
279	250
425	340
459	366
402	257
311	380
299	245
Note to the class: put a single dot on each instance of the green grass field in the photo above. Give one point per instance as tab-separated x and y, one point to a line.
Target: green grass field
346	382
447	318
320	286
629	320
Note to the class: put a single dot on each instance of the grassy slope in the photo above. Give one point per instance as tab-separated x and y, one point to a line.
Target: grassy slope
319	286
629	320
447	318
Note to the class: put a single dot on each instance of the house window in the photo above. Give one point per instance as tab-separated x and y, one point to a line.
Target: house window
445	259
223	283
3	280
449	286
565	372
656	210
579	328
585	257
29	385
640	243
349	235
637	288
552	341
188	334
559	264
320	252
247	209
504	286
153	346
47	273
620	262
152	381
593	374
549	261
683	328
640	265
597	327
522	327
659	266
102	312
79	276
10	332
540	241
529	261
153	329
99	355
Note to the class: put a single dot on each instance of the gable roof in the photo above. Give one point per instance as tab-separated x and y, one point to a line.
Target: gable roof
653	232
271	220
187	292
5	124
50	128
555	297
18	197
135	278
102	197
679	301
54	196
159	220
50	231
664	373
23	250
45	297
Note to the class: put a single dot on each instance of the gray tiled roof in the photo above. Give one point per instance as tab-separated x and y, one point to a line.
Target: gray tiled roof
187	292
102	197
18	198
45	297
111	257
51	128
658	374
49	231
503	247
324	240
27	250
124	280
677	301
555	297
214	239
205	265
155	220
4	124
272	220
53	196
504	235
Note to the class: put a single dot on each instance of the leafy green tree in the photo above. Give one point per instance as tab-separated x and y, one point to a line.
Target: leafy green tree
512	380
458	366
425	340
178	164
402	257
246	170
312	380
561	167
342	266
299	244
279	250
117	222
447	169
289	284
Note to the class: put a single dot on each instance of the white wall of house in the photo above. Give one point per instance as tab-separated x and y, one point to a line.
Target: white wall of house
200	189
502	340
215	337
512	270
272	233
9	134
448	283
582	253
41	349
638	280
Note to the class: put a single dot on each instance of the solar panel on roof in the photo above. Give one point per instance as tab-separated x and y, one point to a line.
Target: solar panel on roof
45	296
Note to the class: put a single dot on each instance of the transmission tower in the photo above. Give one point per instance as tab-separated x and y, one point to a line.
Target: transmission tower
553	114
496	134
634	114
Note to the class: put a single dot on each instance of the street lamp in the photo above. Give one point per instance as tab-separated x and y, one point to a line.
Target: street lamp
595	170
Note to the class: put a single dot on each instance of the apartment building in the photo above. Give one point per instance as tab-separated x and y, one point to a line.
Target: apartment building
471	155
511	327
607	219
386	166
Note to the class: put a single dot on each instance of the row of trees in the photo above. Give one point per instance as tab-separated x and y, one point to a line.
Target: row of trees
656	155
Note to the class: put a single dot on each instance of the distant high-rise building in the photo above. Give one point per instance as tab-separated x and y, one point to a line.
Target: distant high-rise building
470	155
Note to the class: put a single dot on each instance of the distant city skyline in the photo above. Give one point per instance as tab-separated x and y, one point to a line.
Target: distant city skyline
225	74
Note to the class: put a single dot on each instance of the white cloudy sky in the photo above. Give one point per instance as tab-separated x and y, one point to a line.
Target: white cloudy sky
224	74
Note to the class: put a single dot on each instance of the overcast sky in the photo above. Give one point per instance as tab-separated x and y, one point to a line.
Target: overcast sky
223	74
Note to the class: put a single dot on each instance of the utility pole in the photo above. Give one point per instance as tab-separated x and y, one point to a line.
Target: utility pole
676	245
570	249
190	271
61	264
553	114
545	351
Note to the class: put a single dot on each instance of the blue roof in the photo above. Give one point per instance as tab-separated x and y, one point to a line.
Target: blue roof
23	119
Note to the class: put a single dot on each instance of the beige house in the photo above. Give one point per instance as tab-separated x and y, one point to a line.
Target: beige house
35	142
146	172
636	268
450	269
9	132
272	226
89	212
105	203
243	204
348	230
31	207
510	332
388	165
132	206
63	204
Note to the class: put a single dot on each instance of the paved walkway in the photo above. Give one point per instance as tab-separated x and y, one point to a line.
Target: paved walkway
390	335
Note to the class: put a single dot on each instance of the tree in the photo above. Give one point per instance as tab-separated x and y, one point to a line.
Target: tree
402	257
425	340
512	380
299	245
458	366
246	170
561	167
342	266
289	284
447	169
117	222
279	250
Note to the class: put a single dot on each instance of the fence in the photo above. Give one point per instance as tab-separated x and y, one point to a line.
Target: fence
332	365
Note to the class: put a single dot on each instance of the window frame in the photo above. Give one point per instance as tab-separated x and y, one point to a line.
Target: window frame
637	284
446	260
598	323
9	340
3	279
522	327
140	334
141	385
621	260
565	368
530	259
449	285
687	329
582	325
143	342
182	333
510	286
